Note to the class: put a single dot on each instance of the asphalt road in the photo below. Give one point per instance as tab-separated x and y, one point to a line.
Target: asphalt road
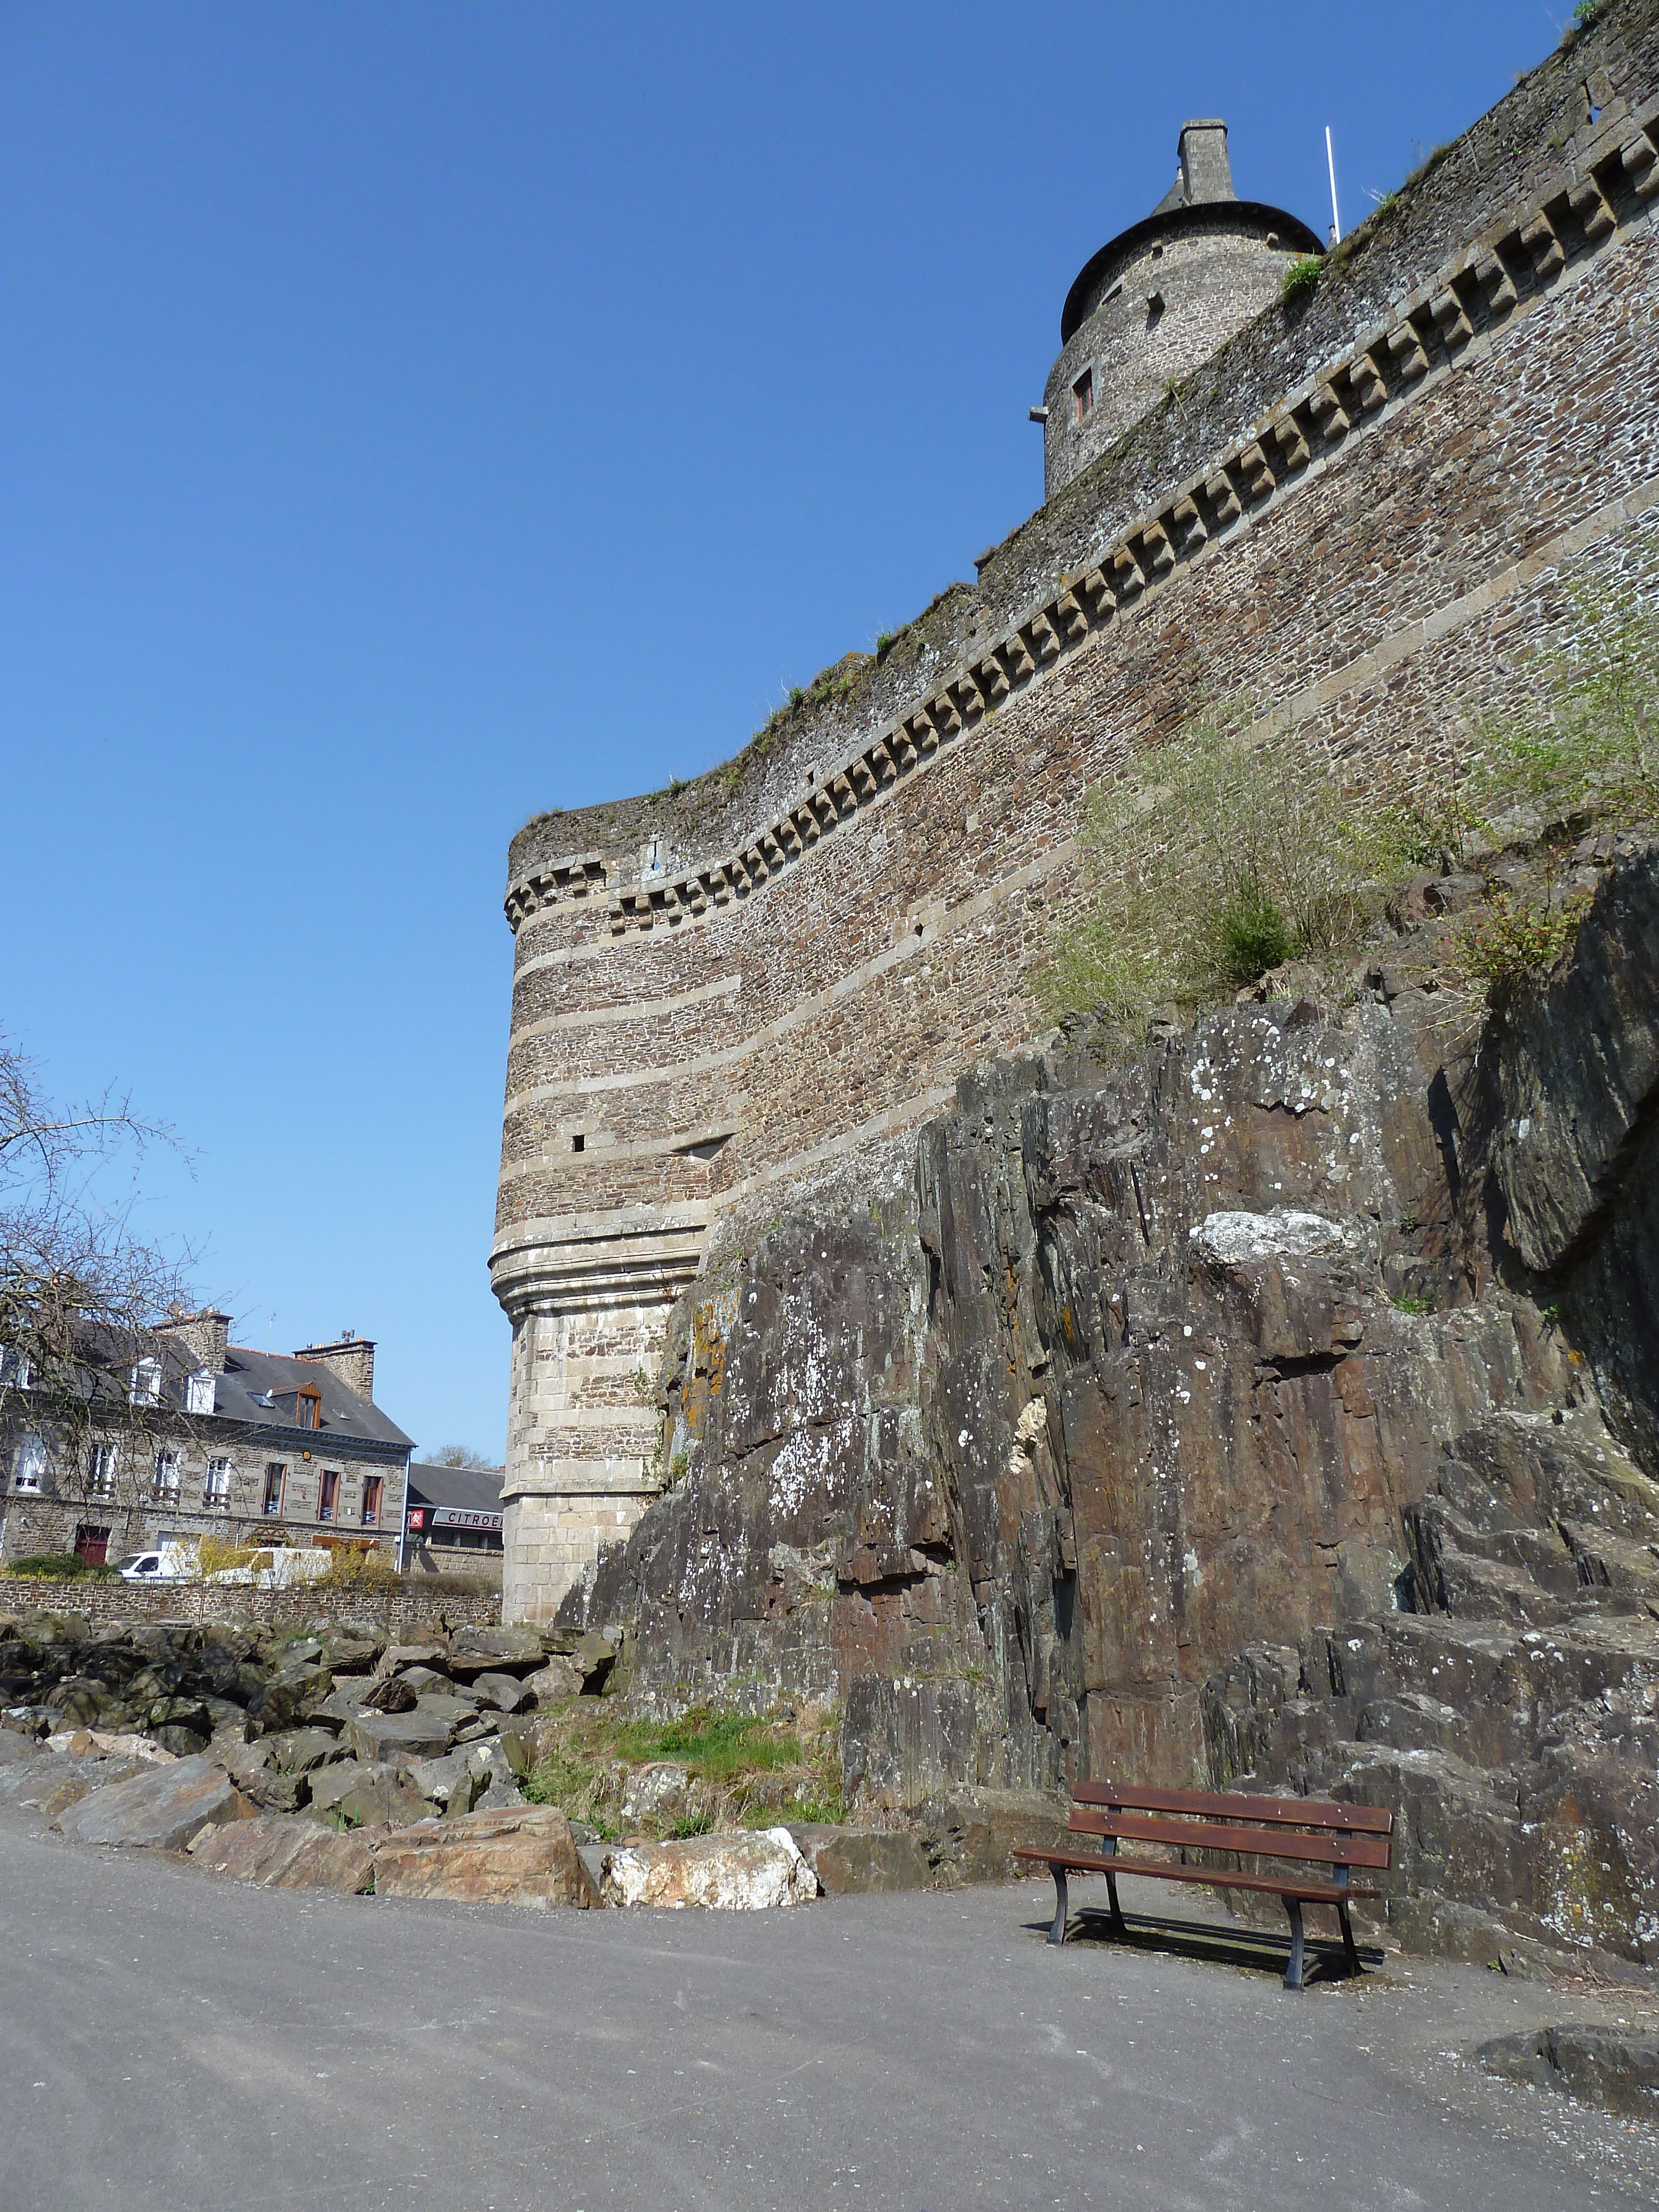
170	2040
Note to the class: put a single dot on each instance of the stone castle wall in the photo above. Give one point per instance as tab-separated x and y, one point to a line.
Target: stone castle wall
1362	514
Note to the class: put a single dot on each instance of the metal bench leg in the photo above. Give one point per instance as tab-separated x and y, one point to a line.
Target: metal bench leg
1057	1933
1293	1971
1120	1925
1348	1943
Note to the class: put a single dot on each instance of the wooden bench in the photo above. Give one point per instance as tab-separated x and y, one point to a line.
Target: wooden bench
1303	1832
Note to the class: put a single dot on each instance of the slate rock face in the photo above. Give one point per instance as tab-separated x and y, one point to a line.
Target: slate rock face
1241	1411
857	1861
164	1807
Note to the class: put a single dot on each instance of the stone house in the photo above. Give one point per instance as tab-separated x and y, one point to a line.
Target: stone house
200	1437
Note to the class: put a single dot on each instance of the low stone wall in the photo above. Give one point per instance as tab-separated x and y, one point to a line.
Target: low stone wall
399	1607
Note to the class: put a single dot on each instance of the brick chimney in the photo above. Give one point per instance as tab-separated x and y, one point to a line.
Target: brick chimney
204	1336
349	1359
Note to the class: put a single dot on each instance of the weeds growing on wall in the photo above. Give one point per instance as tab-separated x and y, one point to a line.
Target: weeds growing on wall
1593	739
1231	851
1301	279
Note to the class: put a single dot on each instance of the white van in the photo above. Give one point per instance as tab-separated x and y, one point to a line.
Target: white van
278	1566
173	1563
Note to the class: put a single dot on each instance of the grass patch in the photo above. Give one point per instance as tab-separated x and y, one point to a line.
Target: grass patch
1301	279
713	1746
1234	847
745	1769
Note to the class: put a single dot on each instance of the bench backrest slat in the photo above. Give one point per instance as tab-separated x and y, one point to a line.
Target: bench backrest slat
1239	1805
1270	1841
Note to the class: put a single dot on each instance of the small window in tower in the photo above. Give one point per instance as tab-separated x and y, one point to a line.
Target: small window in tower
579	1143
1083	394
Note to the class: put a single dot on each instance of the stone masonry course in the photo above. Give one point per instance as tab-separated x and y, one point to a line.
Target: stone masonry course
1361	517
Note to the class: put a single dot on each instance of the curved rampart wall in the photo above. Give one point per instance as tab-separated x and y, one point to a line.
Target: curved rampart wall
1376	546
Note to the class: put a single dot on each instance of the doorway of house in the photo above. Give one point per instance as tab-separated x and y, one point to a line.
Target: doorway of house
92	1545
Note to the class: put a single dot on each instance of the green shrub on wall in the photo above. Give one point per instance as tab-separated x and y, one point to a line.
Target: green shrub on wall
1237	846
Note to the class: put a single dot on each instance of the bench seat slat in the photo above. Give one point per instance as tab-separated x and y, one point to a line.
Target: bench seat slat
1286	1885
1273	1842
1240	1805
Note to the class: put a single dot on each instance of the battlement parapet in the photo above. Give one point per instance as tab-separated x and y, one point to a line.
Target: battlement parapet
1489	281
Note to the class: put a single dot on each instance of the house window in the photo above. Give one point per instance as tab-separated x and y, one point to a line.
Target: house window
329	1497
1082	395
166	1474
22	1370
29	1469
216	1494
276	1476
100	1475
146	1382
578	1142
372	1487
199	1392
308	1407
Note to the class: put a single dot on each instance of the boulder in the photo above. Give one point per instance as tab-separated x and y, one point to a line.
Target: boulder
449	1782
396	1736
68	1782
455	1713
523	1855
658	1793
344	1703
1610	2066
971	1834
397	1658
492	1650
554	1684
296	1750
388	1693
15	1748
365	1796
505	1691
743	1873
292	1695
280	1853
852	1862
164	1807
101	1744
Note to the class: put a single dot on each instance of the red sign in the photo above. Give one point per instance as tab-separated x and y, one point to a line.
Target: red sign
417	1517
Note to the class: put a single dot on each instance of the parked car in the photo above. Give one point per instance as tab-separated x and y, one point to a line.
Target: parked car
173	1563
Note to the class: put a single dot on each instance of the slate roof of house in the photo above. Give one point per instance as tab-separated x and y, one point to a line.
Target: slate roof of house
259	1388
474	1489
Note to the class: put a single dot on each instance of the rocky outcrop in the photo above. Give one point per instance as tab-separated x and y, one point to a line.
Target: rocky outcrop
1210	1416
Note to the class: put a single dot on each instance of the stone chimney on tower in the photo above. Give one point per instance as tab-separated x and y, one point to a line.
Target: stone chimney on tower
1205	171
349	1359
204	1336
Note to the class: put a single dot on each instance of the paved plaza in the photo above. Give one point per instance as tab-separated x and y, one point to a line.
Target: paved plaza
171	2039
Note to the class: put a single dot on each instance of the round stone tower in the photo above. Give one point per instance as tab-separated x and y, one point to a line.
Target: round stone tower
1160	298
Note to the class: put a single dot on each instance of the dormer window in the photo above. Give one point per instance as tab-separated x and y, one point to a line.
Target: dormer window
307	1407
147	1382
199	1391
1082	395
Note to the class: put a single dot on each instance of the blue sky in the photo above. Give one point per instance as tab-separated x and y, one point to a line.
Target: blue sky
413	417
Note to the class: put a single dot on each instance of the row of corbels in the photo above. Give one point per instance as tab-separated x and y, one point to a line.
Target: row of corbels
1480	288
